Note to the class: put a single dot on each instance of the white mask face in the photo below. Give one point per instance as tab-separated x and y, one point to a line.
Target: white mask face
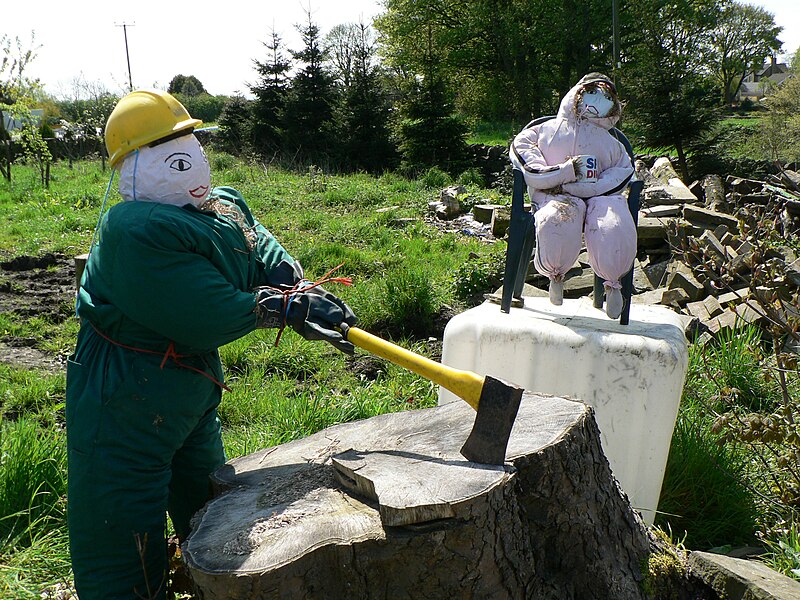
175	172
595	103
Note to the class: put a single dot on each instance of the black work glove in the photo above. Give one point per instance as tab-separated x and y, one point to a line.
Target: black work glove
315	314
286	274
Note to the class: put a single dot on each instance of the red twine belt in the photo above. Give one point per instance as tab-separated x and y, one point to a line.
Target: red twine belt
303	286
169	354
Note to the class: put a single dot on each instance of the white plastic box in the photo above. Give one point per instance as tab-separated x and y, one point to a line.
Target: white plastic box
632	375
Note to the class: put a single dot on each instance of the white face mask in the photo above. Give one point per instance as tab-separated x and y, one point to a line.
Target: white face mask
175	172
595	103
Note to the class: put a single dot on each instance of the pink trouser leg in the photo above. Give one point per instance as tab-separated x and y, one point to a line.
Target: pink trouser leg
559	222
610	237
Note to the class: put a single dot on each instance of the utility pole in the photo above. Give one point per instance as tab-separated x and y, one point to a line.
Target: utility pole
127	56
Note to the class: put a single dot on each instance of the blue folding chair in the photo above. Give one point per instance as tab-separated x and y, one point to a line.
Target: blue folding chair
522	238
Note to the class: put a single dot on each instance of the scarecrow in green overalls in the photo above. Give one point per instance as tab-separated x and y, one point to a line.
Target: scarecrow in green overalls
176	273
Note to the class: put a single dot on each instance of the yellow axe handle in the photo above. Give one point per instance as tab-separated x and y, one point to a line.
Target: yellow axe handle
465	384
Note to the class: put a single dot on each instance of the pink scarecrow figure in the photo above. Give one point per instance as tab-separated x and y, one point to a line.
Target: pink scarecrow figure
576	171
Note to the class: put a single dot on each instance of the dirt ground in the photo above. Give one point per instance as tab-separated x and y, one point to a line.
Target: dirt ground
32	286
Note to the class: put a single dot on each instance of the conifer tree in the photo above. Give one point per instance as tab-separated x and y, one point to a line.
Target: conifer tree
270	98
430	133
235	127
365	111
309	124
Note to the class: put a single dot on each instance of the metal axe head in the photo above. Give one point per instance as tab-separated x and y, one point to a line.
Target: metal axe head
497	409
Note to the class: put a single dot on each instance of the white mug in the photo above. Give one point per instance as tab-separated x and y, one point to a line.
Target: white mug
586	168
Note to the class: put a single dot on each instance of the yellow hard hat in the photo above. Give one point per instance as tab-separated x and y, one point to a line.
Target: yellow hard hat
143	117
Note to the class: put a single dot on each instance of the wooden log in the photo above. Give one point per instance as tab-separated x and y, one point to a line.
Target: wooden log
387	508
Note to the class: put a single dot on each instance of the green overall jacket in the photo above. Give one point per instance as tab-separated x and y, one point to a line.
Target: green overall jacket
163	289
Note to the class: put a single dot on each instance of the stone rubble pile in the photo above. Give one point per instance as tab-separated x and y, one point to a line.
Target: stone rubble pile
697	252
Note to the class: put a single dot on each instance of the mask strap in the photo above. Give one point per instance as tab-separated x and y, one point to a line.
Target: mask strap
99	220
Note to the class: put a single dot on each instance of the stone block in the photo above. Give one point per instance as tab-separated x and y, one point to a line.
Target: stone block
659	212
663	170
649	298
710	218
712	245
698	309
683	278
579	285
675	297
749	313
640	280
734	297
743	186
657	273
501	219
650	228
740	579
712	306
720	231
483	212
727	320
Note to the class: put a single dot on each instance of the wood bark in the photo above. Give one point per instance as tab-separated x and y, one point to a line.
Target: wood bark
386	508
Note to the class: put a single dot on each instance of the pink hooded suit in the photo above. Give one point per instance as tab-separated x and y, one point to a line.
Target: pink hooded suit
567	207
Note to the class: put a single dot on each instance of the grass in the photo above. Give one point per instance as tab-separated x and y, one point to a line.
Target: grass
721	491
33	541
404	274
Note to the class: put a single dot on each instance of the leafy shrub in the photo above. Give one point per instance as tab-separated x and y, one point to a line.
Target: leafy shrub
435	178
480	275
222	161
472	176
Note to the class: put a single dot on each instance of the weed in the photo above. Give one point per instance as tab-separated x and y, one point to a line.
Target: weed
409	301
481	274
435	178
472	177
784	552
703	493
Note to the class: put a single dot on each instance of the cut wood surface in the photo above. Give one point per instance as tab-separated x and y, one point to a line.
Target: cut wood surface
388	508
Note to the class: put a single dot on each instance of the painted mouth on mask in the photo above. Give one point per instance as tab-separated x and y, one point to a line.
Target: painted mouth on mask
199	192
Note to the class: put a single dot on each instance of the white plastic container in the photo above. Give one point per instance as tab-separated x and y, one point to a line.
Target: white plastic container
632	375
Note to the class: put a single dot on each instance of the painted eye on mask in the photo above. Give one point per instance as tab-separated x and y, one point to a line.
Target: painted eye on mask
179	163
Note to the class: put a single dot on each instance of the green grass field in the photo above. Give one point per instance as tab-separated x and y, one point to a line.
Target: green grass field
408	277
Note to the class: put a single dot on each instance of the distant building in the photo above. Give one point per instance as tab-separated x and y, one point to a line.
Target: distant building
11	124
757	84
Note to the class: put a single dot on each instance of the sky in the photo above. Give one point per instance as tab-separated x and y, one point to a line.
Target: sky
217	46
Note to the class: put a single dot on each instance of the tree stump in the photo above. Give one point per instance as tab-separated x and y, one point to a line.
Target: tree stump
387	508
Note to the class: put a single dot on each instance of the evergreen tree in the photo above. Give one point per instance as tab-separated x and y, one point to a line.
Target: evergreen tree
235	127
309	124
429	132
365	111
271	93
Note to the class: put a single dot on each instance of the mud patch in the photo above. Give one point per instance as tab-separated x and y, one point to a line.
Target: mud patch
35	286
28	357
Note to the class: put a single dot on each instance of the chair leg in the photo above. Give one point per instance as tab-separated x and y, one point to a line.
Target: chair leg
627	293
516	242
599	292
525	258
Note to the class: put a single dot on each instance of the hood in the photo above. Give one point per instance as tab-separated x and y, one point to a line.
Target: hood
567	110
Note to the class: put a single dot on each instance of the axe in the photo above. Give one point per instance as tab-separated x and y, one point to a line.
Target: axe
495	400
